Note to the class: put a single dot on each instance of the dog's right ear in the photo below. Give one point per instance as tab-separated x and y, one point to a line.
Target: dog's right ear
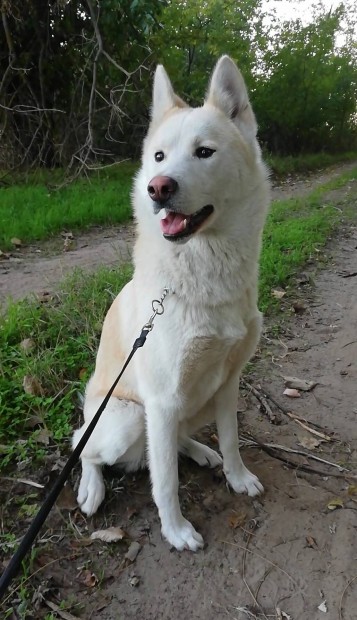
228	92
163	96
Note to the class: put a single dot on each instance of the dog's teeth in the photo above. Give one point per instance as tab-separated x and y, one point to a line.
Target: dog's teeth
184	223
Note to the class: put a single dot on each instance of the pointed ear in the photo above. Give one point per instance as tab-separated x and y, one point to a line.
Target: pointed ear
163	96
227	91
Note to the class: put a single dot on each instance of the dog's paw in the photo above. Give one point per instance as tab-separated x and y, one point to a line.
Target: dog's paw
204	456
245	482
91	490
183	536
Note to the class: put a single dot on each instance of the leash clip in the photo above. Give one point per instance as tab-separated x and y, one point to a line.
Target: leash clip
158	309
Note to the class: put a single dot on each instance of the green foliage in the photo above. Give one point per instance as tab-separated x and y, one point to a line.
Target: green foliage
303	87
194	34
306	90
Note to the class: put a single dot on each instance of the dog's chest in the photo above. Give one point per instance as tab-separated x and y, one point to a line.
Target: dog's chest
207	357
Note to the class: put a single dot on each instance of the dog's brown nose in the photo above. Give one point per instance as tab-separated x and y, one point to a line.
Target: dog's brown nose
160	189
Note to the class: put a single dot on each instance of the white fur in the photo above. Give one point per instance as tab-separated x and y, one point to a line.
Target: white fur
187	374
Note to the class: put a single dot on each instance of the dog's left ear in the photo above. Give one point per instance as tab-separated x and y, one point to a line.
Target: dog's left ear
228	92
163	95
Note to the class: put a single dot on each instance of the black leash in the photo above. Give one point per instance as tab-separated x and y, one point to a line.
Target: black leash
14	565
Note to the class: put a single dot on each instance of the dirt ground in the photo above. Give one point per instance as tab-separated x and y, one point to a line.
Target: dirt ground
290	554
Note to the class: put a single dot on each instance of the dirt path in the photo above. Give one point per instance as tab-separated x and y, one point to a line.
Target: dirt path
39	267
289	550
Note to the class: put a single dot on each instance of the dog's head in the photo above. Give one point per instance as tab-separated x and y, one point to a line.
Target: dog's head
195	159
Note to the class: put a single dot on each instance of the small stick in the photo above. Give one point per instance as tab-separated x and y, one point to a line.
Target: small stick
22	481
342	595
61	612
298	419
273	418
254	441
306	468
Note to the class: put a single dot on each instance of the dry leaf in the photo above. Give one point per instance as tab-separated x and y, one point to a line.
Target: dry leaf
133	551
323	607
352	490
299	307
88	578
4	255
299	384
16	242
27	345
43	436
237	519
278	294
291	393
311	542
32	386
67	244
82	373
281	615
335	503
310	443
131	512
67	499
44	297
111	534
134	581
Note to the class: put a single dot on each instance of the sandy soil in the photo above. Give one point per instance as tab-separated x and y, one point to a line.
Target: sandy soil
288	554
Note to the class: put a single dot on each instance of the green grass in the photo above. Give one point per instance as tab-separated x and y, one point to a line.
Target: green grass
65	331
33	210
295	231
294	164
65	335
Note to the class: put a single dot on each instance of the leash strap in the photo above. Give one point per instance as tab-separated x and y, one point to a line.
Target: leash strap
14	565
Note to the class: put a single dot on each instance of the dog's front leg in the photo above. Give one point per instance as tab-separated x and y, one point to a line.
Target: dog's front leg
162	433
239	477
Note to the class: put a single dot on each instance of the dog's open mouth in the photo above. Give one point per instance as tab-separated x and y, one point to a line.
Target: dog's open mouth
175	225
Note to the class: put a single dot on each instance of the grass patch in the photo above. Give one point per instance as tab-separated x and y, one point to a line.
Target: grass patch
294	164
295	231
65	332
33	210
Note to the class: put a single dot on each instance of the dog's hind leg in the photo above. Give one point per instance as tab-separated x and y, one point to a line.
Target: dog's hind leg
119	437
198	452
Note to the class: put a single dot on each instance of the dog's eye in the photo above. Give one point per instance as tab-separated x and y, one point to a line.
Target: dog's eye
203	152
159	156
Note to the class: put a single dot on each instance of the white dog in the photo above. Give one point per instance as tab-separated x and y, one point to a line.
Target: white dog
200	201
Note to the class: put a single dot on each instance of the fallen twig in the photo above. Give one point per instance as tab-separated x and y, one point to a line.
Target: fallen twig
227	542
303	422
273	417
250	534
61	612
252	441
342	596
306	468
22	481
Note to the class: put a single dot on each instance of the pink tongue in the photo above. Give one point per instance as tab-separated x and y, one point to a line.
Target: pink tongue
173	223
